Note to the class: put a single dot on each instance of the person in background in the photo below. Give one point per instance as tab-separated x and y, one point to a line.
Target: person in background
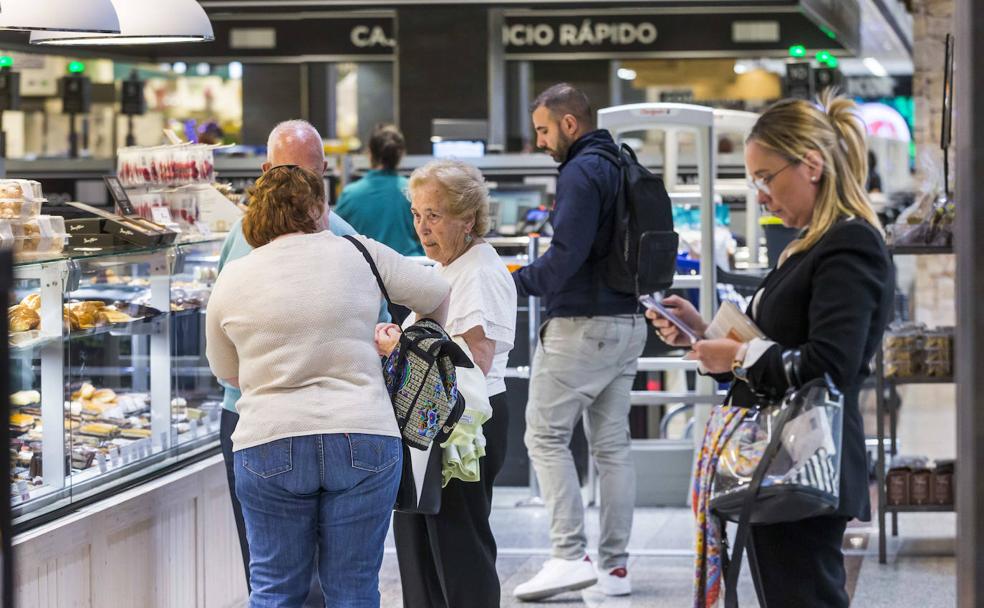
586	358
830	299
874	181
317	449
293	142
376	205
448	560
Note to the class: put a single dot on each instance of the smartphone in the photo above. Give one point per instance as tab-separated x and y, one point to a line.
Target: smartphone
654	304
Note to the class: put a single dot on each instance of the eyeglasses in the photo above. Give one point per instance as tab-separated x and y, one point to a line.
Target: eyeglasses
762	183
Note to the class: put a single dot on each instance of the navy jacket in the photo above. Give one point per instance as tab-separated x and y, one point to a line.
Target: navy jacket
582	219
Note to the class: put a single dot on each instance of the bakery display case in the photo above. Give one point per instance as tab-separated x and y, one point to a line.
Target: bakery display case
108	377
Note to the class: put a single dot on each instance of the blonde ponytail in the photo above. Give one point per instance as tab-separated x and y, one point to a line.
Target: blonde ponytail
793	127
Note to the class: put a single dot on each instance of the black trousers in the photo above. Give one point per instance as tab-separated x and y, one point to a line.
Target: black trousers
227	425
448	560
800	564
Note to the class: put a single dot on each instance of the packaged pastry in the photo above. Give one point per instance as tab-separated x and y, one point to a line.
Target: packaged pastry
19	209
21	422
22	398
99	429
21	189
43	234
135	433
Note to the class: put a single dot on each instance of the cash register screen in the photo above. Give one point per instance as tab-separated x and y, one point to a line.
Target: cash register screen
514	202
458	148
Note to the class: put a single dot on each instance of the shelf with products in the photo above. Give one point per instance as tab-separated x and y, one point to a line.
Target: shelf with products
116	365
910	354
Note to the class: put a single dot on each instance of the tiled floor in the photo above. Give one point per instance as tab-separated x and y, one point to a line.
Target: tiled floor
920	573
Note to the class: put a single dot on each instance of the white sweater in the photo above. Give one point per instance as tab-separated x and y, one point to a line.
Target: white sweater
294	321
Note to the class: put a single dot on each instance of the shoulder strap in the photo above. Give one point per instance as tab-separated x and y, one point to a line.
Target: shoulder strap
372	264
612	158
745	517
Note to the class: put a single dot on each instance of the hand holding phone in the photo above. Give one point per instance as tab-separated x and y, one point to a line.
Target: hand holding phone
654	304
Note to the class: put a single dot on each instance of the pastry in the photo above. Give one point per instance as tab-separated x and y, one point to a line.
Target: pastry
106	395
86	391
21	318
32	301
21	422
98	429
22	398
11	189
135	433
70	319
86	312
111	315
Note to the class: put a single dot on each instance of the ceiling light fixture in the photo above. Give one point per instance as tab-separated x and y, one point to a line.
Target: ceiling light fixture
875	67
83	16
626	74
144	22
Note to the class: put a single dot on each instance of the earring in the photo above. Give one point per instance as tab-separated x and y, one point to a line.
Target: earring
813	179
468	238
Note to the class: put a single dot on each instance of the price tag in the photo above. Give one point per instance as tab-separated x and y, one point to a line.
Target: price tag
116	456
161	215
165	436
25	494
204	229
101	461
195	429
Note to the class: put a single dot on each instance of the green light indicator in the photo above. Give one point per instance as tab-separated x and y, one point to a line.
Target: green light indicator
832	62
6	62
76	67
823	56
829	32
797	50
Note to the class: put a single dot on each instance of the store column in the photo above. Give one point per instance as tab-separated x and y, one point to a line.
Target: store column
969	135
443	69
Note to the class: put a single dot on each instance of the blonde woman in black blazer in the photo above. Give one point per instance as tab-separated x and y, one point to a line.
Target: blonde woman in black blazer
830	298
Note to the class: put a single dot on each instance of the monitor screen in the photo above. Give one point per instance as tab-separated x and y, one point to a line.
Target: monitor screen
514	201
452	148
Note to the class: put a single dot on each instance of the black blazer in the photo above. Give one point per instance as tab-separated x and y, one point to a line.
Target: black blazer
833	303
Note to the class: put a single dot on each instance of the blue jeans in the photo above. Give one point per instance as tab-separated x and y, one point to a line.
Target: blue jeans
330	492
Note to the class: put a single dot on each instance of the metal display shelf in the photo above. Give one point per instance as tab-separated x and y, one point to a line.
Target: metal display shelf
883	406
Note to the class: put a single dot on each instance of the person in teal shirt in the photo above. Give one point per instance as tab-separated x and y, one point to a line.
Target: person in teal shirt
376	205
294	142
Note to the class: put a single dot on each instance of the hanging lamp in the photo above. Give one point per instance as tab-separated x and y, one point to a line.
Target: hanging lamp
143	22
83	16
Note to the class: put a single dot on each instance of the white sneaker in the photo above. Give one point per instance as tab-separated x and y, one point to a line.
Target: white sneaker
557	576
614	582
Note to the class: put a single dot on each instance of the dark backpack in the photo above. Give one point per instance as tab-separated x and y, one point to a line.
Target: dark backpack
642	258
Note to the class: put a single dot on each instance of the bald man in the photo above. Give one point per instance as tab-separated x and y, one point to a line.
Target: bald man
294	142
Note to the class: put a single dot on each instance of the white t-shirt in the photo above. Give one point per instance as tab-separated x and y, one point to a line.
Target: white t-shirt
483	294
295	320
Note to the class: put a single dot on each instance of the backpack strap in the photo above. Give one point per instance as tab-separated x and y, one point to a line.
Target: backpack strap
372	264
596	279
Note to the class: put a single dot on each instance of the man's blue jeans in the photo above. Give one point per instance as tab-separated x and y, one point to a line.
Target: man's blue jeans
330	492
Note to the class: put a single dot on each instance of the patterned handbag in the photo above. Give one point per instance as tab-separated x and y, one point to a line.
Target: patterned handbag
420	376
421	382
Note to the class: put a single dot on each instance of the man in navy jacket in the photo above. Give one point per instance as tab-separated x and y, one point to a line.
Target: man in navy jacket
586	358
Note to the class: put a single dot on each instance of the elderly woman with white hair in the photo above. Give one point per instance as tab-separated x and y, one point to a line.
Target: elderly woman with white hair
448	559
